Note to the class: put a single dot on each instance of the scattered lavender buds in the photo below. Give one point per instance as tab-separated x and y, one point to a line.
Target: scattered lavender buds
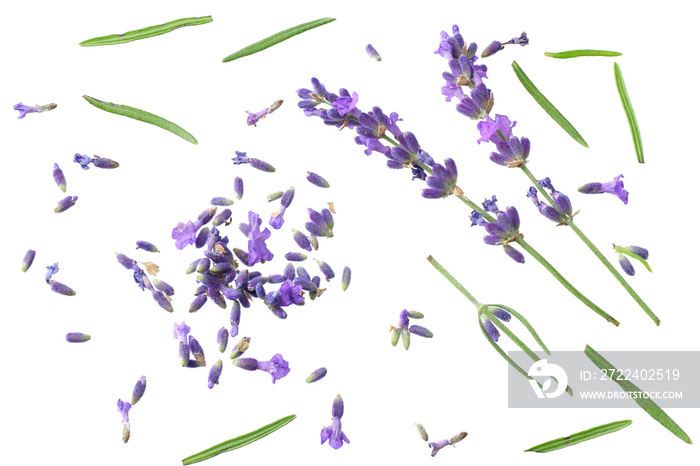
321	224
403	331
238	187
489	327
372	52
66	204
334	433
317	180
253	118
139	390
123	408
316	375
277	367
146	246
77	337
616	187
215	373
25	109
59	177
28	259
636	252
60	288
346	278
221	201
258	164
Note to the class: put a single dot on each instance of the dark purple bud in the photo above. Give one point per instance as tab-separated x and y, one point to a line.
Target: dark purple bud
420	331
326	270
372	52
295	256
260	291
197	351
192	267
563	202
491	49
210	281
203	265
275	278
162	300
315	230
221	201
316	280
60	288
262	166
101	162
231	293
216	296
287	198
241	255
146	246
501	314
306	284
346	278
28	259
59	177
338	407
289	272
139	390
317	180
222	217
317	375
77	337
220	267
302	240
273	298
240	348
215	373
66	204
200	290
278	312
235	315
514	254
164	287
238	187
591	188
400	155
301	272
206	215
198	303
249	364
625	264
184	352
641	252
489	328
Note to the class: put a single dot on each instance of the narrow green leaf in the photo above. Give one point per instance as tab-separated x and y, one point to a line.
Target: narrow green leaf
582	53
629	111
547	105
145	33
141	115
645	403
277	38
573	439
238	442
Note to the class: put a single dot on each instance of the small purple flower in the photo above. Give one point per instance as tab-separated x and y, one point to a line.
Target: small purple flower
443	181
372	52
478	104
277	367
184	234
59	177
346	104
51	270
215	373
289	293
545	209
492	130
83	160
437	446
66	204
28	259
77	337
25	109
181	331
257	249
139	390
334	433
253	118
503	231
616	187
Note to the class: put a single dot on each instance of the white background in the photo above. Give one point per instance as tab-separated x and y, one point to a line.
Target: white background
60	399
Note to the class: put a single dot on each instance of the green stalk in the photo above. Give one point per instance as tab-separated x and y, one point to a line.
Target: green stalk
456	284
592	247
579	437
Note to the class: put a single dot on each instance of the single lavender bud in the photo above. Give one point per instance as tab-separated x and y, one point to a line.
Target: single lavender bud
422	432
625	264
238	187
77	337
295	256
28	259
274	196
306	284
192	267
405	338
235	318
395	335
489	328
641	252
66	204
501	314
301	240
301	272
278	312
289	272
458	438
241	255
222	217
346	278
139	390
372	52
222	339
240	347
126	261
217	297
249	364
203	265
326	269
184	352
260	291
492	48
51	270
317	180
101	162
334	433
162	300
146	246
59	177
261	165
220	268
420	331
60	288
197	350
317	375
201	238
206	215
221	201
164	287
215	373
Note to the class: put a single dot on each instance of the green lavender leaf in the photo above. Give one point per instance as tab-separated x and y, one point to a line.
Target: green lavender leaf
582	53
579	437
645	403
277	38
547	105
145	33
238	442
629	112
141	115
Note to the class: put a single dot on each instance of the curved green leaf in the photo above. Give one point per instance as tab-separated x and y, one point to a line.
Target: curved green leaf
547	105
141	115
277	38
629	112
582	53
145	33
578	437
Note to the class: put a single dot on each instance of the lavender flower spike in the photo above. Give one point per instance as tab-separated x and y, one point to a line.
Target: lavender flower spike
372	52
616	187
139	390
59	177
443	181
334	433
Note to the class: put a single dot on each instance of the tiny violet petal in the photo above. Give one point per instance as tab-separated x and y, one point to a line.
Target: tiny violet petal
77	337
